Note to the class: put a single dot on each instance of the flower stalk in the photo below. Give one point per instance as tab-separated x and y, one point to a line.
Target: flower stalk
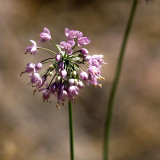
71	130
115	82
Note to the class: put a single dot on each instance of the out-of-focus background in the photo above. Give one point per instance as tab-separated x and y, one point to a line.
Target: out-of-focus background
33	130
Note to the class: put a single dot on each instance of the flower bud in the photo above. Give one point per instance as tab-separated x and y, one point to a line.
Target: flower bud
50	73
51	67
58	57
80	84
61	65
38	66
71	81
74	73
84	51
58	79
75	82
63	73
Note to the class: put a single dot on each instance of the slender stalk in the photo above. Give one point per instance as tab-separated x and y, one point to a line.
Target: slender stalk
55	44
46	49
115	82
71	130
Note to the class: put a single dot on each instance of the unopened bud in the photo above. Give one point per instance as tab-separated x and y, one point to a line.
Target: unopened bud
50	73
75	82
51	67
74	73
58	79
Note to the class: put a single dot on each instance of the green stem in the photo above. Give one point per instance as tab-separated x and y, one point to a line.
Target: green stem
115	82
55	44
46	49
71	130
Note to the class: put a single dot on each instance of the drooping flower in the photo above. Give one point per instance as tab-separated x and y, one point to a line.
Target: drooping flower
32	49
67	71
45	35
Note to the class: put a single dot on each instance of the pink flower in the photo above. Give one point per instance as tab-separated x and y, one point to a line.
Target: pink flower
53	87
94	71
45	35
96	60
35	77
87	58
83	41
71	34
84	75
30	68
32	49
67	46
46	94
72	91
38	66
80	85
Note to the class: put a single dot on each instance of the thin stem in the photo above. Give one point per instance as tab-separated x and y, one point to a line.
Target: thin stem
74	46
47	59
46	50
71	130
55	44
115	82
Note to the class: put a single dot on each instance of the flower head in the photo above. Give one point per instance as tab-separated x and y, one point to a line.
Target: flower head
68	70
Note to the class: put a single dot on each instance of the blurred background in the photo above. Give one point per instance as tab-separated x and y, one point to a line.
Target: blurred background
33	130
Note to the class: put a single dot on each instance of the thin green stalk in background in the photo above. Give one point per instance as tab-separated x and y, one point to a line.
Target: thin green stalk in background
115	82
71	130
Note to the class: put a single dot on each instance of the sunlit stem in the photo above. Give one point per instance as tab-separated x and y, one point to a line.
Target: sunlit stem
55	45
115	82
46	49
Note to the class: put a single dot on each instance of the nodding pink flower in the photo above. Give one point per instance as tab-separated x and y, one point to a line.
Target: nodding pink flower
84	51
35	77
46	94
64	95
30	68
45	35
94	71
58	57
60	88
53	87
84	75
41	82
32	49
80	85
83	41
97	61
87	58
72	91
63	73
38	66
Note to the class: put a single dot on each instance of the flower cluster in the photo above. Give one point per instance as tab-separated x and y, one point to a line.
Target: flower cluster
67	70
